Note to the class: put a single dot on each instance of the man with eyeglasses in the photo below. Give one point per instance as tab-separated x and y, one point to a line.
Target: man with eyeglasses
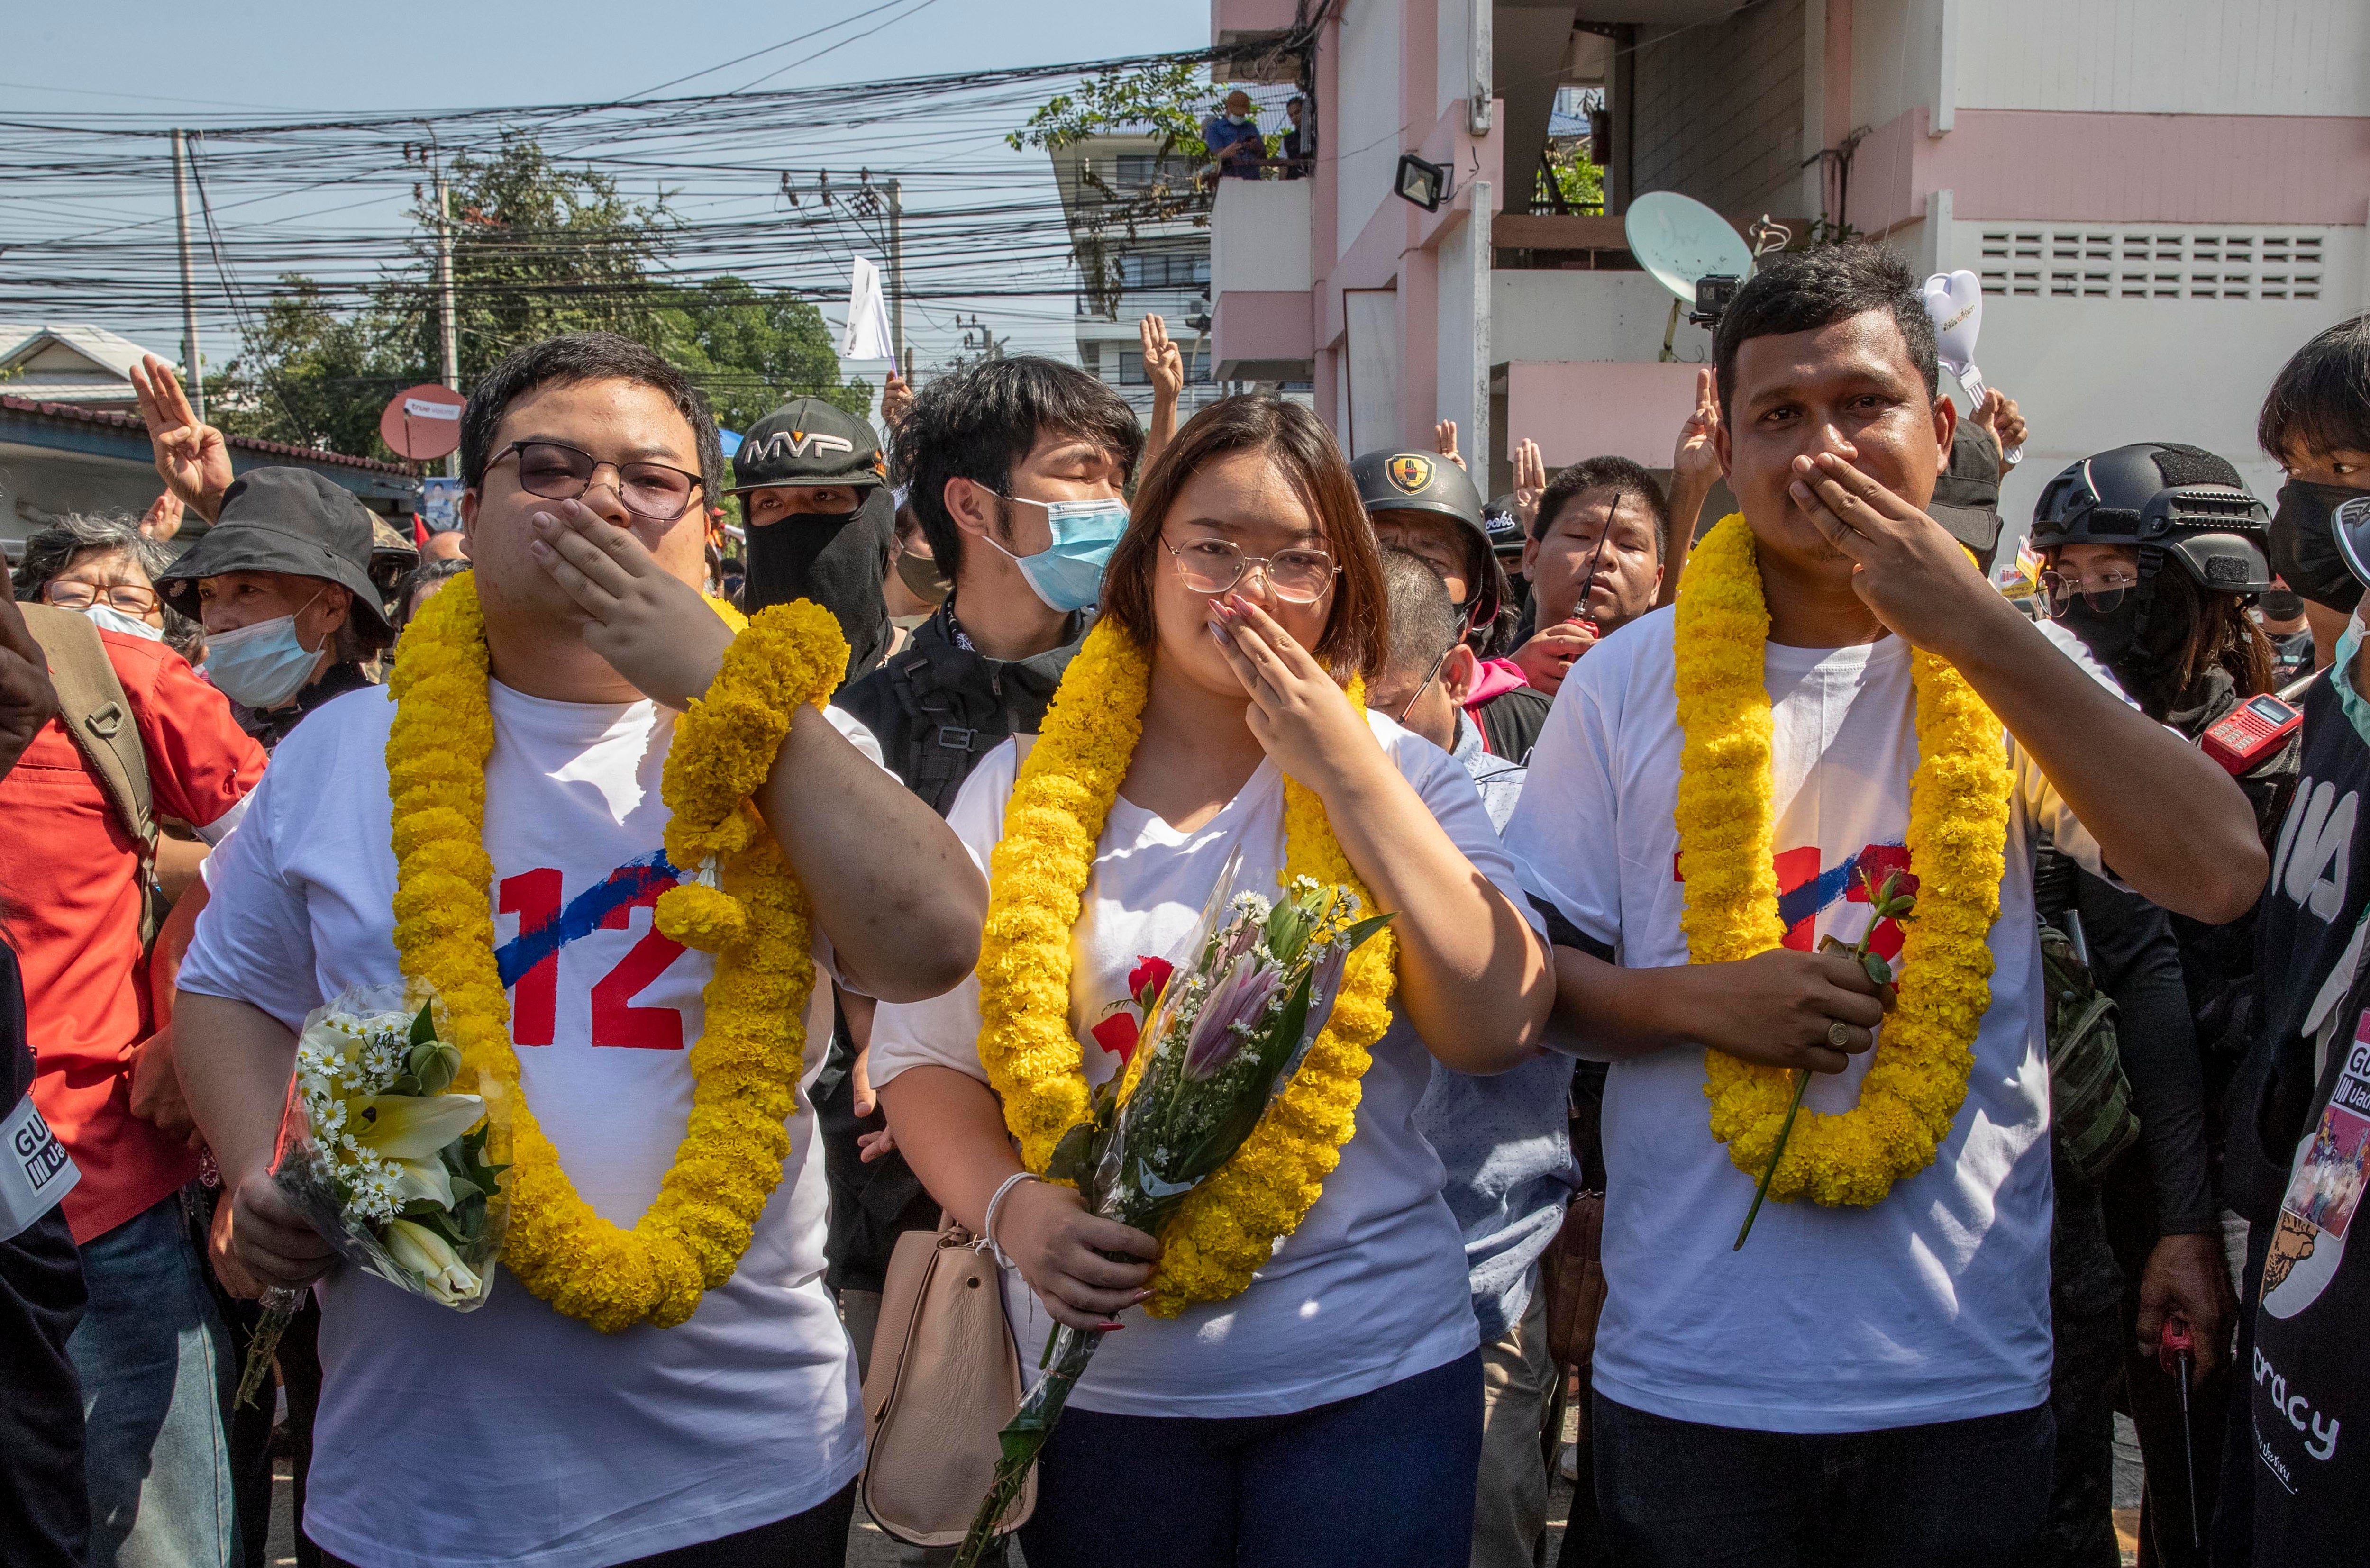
733	1437
1504	1139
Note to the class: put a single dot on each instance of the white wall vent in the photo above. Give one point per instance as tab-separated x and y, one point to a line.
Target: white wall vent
2150	264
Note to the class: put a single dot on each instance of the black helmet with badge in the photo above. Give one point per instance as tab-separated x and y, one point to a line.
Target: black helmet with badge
1407	481
2168	502
807	442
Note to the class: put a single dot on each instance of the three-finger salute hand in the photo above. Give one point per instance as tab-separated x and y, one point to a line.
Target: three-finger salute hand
1918	580
1783	1008
1443	442
1530	483
191	456
652	627
1164	362
1696	459
1059	1250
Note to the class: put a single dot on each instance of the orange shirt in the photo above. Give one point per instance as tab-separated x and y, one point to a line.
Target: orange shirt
70	895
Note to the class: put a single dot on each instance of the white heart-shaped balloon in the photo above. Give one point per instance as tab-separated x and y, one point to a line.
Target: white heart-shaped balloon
1955	302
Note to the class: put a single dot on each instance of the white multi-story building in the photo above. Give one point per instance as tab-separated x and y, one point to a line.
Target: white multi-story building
1139	226
2163	202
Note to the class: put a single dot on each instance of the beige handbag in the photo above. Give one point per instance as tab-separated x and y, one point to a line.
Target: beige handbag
944	1379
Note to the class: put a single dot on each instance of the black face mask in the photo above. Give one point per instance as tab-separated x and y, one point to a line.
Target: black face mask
837	560
2112	636
2281	604
2304	549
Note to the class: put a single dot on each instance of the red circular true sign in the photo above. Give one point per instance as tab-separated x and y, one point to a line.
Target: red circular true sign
422	422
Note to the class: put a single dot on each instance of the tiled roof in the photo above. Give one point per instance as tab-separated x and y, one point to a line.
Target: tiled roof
67	414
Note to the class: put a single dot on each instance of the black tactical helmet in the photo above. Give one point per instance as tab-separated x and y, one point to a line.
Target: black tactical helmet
1426	482
2167	500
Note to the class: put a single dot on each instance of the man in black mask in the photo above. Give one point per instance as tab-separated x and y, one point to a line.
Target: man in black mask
2316	423
809	479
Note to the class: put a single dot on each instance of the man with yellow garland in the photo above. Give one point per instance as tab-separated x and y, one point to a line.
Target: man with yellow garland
1866	1381
521	1433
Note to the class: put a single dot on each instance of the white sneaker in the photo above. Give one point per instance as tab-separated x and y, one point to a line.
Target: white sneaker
1568	1466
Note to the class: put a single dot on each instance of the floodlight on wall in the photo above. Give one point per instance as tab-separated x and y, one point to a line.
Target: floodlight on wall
1424	183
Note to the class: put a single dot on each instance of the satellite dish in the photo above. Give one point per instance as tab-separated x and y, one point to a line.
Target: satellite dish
422	422
1679	240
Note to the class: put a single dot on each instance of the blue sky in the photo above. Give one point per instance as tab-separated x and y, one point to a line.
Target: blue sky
224	63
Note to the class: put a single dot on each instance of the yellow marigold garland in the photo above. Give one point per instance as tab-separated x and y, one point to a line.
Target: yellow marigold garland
1958	830
747	907
1039	875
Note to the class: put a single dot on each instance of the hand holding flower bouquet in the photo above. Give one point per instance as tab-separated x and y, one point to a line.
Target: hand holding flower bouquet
1222	1039
384	1159
1889	901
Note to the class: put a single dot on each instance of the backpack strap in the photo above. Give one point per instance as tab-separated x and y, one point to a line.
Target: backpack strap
95	710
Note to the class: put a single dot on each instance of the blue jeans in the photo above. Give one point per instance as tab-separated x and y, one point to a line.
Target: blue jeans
1954	1494
155	1373
1385	1478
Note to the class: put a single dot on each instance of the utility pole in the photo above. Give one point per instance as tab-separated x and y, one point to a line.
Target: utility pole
192	370
897	278
447	341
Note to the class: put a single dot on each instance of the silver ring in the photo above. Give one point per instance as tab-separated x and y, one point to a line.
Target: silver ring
1839	1034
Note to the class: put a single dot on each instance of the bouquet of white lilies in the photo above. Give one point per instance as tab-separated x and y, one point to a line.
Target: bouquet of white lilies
385	1160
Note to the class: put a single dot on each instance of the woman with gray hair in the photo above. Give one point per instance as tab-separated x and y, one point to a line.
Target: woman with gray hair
103	566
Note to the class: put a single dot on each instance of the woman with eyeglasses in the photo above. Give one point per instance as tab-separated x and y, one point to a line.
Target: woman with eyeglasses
104	567
1332	1408
2153	552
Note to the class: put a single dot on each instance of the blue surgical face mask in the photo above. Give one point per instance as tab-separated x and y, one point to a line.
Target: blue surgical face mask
106	617
1068	575
2341	675
260	666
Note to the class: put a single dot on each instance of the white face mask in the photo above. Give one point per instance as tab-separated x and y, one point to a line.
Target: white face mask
108	618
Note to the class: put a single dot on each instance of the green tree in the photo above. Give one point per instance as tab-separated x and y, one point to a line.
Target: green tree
538	249
1570	182
752	351
1169	100
310	376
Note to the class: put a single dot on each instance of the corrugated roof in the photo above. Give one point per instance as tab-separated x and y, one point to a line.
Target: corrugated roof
67	414
108	351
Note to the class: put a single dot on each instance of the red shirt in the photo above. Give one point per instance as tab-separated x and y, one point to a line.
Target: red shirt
70	894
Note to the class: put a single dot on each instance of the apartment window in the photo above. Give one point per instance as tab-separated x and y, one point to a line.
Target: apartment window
1138	171
1163	270
2150	265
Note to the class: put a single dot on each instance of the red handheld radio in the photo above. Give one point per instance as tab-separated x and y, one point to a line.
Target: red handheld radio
2250	732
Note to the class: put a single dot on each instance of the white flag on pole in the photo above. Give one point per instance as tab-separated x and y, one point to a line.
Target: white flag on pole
868	317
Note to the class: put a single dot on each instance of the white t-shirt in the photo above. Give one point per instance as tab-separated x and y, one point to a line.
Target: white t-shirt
1932	1305
1372	1287
514	1435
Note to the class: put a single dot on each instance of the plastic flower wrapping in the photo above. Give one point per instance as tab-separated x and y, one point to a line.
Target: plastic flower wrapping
1222	1037
384	1159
